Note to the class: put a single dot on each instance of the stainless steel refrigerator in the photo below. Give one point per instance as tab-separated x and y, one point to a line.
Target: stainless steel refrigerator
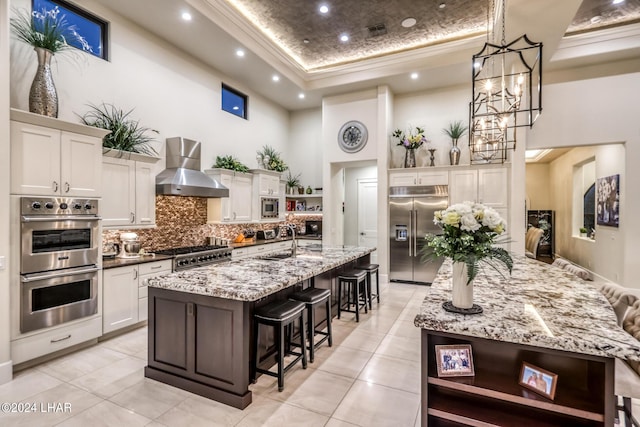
411	218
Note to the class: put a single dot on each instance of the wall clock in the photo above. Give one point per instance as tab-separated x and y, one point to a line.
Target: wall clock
352	136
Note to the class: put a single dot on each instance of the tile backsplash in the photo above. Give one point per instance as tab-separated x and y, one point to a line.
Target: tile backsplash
182	221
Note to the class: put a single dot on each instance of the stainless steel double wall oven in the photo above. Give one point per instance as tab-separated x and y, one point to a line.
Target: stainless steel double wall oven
58	261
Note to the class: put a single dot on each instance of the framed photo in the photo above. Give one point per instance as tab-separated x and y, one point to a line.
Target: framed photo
538	380
608	200
301	205
454	360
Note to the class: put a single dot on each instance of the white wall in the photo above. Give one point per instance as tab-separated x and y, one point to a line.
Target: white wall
5	354
304	149
598	111
170	91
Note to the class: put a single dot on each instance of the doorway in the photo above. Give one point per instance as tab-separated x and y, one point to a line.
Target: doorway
368	214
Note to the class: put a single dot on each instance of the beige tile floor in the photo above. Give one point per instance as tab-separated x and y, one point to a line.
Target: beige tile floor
370	377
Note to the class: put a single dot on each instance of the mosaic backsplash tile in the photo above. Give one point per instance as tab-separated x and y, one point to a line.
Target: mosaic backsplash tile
182	221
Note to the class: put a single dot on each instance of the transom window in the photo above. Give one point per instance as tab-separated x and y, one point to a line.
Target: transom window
234	101
91	31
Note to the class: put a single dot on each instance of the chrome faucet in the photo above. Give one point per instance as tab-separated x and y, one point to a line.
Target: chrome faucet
294	246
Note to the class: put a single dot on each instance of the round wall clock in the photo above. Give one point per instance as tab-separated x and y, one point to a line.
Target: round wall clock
352	136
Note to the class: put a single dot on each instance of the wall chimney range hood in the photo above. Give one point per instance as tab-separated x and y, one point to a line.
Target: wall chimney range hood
183	176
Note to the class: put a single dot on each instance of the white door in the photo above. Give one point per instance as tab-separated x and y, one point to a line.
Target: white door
35	160
145	213
81	165
463	186
368	215
119	187
493	186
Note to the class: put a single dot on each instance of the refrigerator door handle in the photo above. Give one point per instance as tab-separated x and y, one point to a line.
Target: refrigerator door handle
415	233
410	231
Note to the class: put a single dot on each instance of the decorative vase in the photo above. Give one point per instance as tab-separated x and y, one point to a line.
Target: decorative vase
43	98
454	153
462	293
432	157
410	158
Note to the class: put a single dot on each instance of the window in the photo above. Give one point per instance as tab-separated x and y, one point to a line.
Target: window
91	30
589	206
234	102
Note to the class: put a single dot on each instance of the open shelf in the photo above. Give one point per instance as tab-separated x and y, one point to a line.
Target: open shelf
304	196
493	395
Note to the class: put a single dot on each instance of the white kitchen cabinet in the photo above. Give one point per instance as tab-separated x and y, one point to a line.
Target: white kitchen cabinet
268	182
486	185
129	190
261	249
236	207
418	177
52	162
124	295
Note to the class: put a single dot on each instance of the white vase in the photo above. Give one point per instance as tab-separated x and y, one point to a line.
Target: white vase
462	293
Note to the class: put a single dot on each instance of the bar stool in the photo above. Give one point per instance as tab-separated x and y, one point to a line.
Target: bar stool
355	282
279	314
370	269
312	297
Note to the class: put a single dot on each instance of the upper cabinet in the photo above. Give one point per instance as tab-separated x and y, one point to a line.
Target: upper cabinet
413	178
486	185
128	189
50	157
267	182
236	207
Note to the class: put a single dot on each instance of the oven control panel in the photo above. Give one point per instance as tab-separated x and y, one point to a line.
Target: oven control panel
58	206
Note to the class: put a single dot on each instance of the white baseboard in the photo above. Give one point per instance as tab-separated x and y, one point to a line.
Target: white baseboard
6	372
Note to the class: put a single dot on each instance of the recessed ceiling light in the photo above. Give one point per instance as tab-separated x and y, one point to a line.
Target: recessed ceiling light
344	38
617	1
414	76
408	22
240	53
596	19
323	8
301	95
442	5
275	78
186	16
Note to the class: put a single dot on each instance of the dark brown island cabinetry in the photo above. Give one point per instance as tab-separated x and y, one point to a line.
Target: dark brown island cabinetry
202	344
492	397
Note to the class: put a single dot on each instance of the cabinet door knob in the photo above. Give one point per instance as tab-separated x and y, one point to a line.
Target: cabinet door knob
55	186
133	217
67	187
135	274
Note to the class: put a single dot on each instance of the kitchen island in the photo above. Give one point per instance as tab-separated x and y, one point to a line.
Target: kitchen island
200	320
541	315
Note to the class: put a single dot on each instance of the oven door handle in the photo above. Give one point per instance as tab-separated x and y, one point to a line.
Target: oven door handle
26	278
25	218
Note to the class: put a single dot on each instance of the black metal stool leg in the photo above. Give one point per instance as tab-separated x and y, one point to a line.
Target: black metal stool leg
340	282
254	373
280	340
311	327
329	322
302	341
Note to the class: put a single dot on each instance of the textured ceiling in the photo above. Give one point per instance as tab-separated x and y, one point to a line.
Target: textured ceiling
599	14
288	23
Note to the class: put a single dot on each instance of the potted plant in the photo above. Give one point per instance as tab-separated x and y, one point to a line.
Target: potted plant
293	181
583	232
126	133
230	163
455	130
270	159
47	31
411	141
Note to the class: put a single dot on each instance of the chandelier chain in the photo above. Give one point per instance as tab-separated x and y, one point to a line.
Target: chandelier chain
504	13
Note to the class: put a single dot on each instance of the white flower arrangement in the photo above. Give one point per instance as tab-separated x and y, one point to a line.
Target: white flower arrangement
469	233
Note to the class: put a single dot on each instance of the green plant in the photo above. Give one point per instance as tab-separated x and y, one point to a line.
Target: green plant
126	133
230	162
46	29
455	130
293	181
271	159
583	230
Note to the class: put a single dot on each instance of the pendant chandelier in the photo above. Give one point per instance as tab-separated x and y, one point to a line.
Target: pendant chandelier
507	93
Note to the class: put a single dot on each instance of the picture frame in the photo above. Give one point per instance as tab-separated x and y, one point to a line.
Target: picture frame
301	205
608	201
538	380
454	360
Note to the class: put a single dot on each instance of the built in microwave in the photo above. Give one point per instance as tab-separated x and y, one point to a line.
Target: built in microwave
268	208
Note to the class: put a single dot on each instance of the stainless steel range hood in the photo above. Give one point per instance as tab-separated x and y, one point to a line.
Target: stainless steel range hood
183	176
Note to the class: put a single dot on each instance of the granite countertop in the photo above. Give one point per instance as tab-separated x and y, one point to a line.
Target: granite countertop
539	305
123	262
255	278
